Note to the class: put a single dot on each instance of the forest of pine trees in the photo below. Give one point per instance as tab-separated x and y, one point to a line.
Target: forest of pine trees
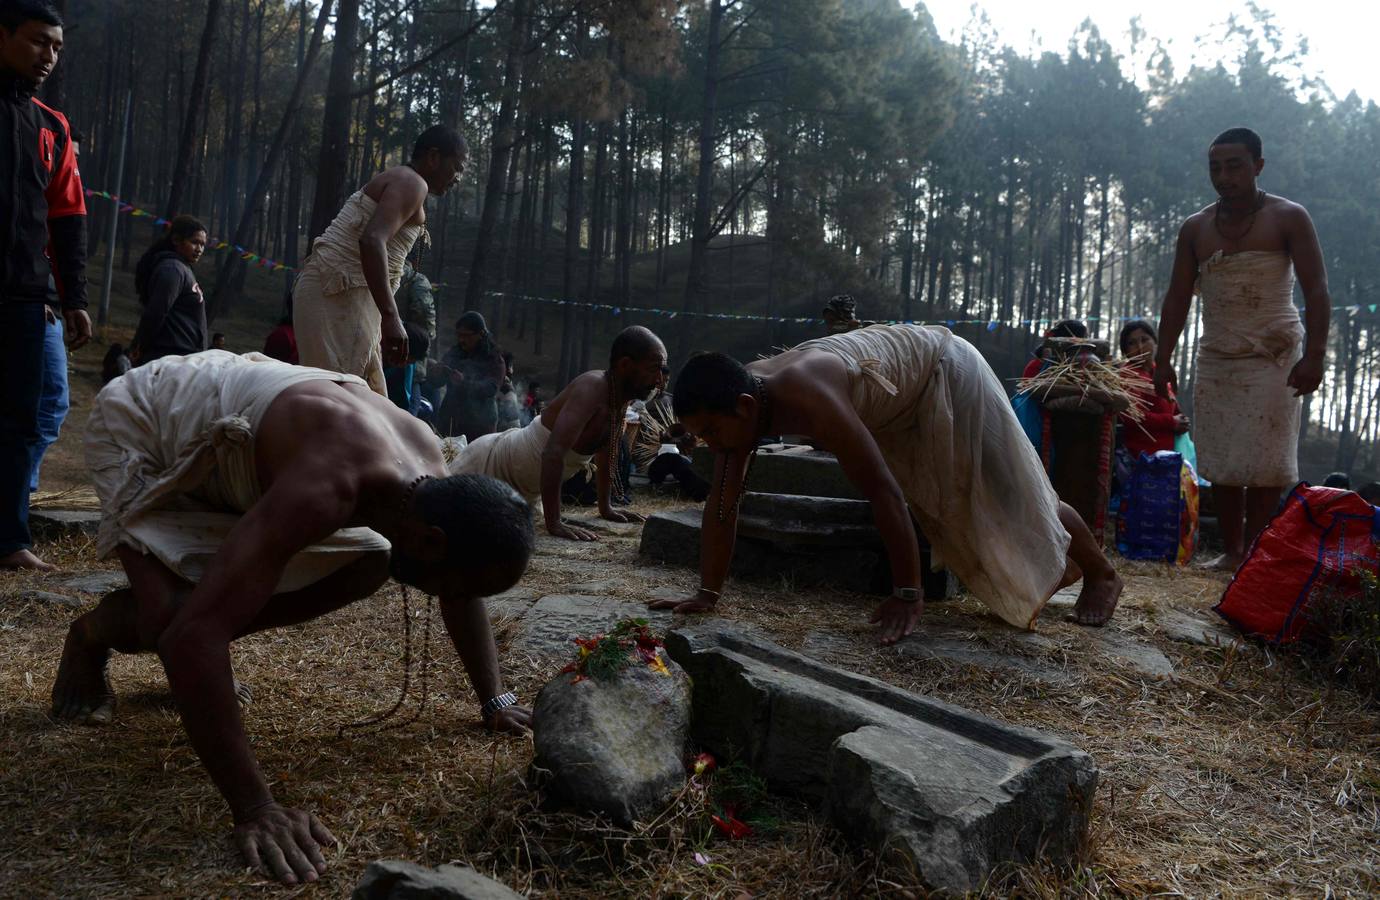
749	157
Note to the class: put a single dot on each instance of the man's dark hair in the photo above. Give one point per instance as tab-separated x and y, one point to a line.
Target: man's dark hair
417	341
180	228
486	522
438	137
1245	136
635	342
1131	328
219	335
14	13
1072	328
1337	480
710	383
1370	492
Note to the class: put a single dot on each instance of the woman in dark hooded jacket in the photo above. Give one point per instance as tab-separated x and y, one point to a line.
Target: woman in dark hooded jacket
471	371
173	322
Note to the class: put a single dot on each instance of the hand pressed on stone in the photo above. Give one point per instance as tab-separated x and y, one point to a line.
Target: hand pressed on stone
510	720
621	515
898	619
284	843
572	532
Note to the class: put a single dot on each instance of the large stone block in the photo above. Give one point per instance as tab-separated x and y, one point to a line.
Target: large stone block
55	524
954	791
811	541
781	469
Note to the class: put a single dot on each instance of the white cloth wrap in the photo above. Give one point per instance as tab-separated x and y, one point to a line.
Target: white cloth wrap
969	474
512	456
170	446
335	319
1245	415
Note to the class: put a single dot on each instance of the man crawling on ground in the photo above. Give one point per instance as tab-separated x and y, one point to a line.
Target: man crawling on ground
921	425
243	494
585	420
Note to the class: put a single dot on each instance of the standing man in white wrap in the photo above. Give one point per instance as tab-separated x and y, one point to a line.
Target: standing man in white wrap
343	310
1255	359
244	494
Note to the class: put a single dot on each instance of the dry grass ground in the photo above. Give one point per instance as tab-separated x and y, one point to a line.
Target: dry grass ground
1243	775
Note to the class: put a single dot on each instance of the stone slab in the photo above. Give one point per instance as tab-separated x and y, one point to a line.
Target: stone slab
788	470
970	650
549	627
45	597
54	524
395	879
954	791
1206	630
97	582
1145	659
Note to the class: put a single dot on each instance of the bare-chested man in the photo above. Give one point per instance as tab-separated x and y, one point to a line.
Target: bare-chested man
1255	358
344	313
585	420
922	426
243	494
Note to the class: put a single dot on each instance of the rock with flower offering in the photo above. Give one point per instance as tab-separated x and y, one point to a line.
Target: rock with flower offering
610	729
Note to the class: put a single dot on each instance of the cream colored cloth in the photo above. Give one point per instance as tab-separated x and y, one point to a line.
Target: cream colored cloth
170	446
968	472
1245	415
512	456
334	317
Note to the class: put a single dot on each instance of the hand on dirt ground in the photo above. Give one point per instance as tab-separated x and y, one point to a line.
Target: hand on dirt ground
898	619
511	720
621	515
571	532
284	843
694	603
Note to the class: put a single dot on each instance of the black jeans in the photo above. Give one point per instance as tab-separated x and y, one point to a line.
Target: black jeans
22	326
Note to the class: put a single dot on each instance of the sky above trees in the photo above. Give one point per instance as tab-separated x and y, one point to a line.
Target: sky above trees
1340	33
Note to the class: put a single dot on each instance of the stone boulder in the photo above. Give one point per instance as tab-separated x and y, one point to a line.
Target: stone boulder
616	746
55	524
394	879
954	792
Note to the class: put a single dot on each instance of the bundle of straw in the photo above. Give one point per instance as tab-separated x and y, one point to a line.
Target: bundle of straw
657	420
1113	385
72	498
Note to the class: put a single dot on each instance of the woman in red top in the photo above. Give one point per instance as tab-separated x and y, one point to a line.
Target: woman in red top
1163	419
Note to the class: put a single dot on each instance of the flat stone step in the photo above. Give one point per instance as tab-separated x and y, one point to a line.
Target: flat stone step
954	791
788	470
549	627
55	524
97	582
395	879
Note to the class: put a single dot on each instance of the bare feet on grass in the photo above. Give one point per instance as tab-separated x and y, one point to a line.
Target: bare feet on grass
82	691
1097	600
25	559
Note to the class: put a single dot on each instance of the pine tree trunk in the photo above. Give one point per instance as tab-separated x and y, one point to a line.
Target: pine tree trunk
334	158
186	147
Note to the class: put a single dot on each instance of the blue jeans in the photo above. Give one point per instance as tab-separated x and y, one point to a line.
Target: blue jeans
22	326
53	399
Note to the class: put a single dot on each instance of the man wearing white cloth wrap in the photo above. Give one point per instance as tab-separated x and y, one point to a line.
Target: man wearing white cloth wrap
921	425
1255	359
243	494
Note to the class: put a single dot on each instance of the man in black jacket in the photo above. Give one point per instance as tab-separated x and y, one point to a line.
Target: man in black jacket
44	207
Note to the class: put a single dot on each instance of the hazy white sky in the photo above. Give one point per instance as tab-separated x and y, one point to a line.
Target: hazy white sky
1341	33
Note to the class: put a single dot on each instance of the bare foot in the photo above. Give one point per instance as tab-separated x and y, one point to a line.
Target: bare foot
25	559
82	691
1227	562
683	607
1097	601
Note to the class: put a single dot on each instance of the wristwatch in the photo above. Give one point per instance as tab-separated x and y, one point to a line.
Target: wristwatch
908	595
492	706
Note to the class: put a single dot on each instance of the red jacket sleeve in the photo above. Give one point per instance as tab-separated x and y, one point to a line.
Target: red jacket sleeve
64	194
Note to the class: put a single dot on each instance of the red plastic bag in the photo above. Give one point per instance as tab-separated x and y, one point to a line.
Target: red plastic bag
1319	542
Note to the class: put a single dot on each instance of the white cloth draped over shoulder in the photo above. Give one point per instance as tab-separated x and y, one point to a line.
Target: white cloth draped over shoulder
512	456
170	446
335	320
969	474
1245	415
